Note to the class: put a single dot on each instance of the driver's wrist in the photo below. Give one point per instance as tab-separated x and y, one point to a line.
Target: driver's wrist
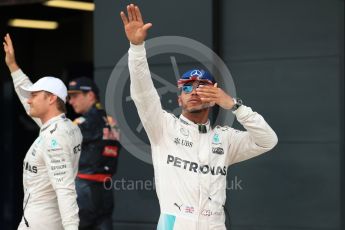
231	103
137	43
137	48
13	67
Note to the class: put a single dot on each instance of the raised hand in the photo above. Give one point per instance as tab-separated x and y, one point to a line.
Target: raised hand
214	95
135	28
10	58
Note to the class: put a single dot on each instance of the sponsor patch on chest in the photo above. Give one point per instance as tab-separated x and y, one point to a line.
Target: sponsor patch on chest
183	142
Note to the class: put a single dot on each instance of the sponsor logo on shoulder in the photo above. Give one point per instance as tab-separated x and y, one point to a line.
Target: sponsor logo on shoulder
54	129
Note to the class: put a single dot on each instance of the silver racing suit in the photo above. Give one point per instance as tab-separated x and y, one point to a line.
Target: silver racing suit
49	170
190	167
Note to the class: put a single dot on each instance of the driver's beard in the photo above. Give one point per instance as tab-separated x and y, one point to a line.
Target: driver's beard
200	109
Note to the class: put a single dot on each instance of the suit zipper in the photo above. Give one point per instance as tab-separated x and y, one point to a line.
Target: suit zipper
26	203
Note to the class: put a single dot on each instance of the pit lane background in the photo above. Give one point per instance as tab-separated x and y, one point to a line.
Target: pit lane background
286	58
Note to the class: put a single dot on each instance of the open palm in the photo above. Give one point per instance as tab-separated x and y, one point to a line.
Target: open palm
136	30
10	58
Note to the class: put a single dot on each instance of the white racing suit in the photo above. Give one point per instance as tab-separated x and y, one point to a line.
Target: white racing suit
190	167
49	171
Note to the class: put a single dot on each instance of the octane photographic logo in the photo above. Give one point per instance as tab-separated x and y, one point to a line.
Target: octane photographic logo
120	105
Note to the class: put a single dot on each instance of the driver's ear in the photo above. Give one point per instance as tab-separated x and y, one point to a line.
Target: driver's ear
91	95
53	98
179	101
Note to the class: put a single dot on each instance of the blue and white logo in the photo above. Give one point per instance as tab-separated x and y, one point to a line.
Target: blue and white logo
54	144
216	139
196	73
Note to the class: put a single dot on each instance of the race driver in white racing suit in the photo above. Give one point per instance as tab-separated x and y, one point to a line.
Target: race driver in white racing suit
190	158
51	164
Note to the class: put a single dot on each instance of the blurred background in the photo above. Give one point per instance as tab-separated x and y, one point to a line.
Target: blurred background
287	62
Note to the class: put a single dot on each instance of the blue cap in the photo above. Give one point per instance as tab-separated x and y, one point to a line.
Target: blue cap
195	75
82	84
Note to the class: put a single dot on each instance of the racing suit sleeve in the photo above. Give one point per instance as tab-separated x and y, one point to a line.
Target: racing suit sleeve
59	160
144	94
20	79
258	138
